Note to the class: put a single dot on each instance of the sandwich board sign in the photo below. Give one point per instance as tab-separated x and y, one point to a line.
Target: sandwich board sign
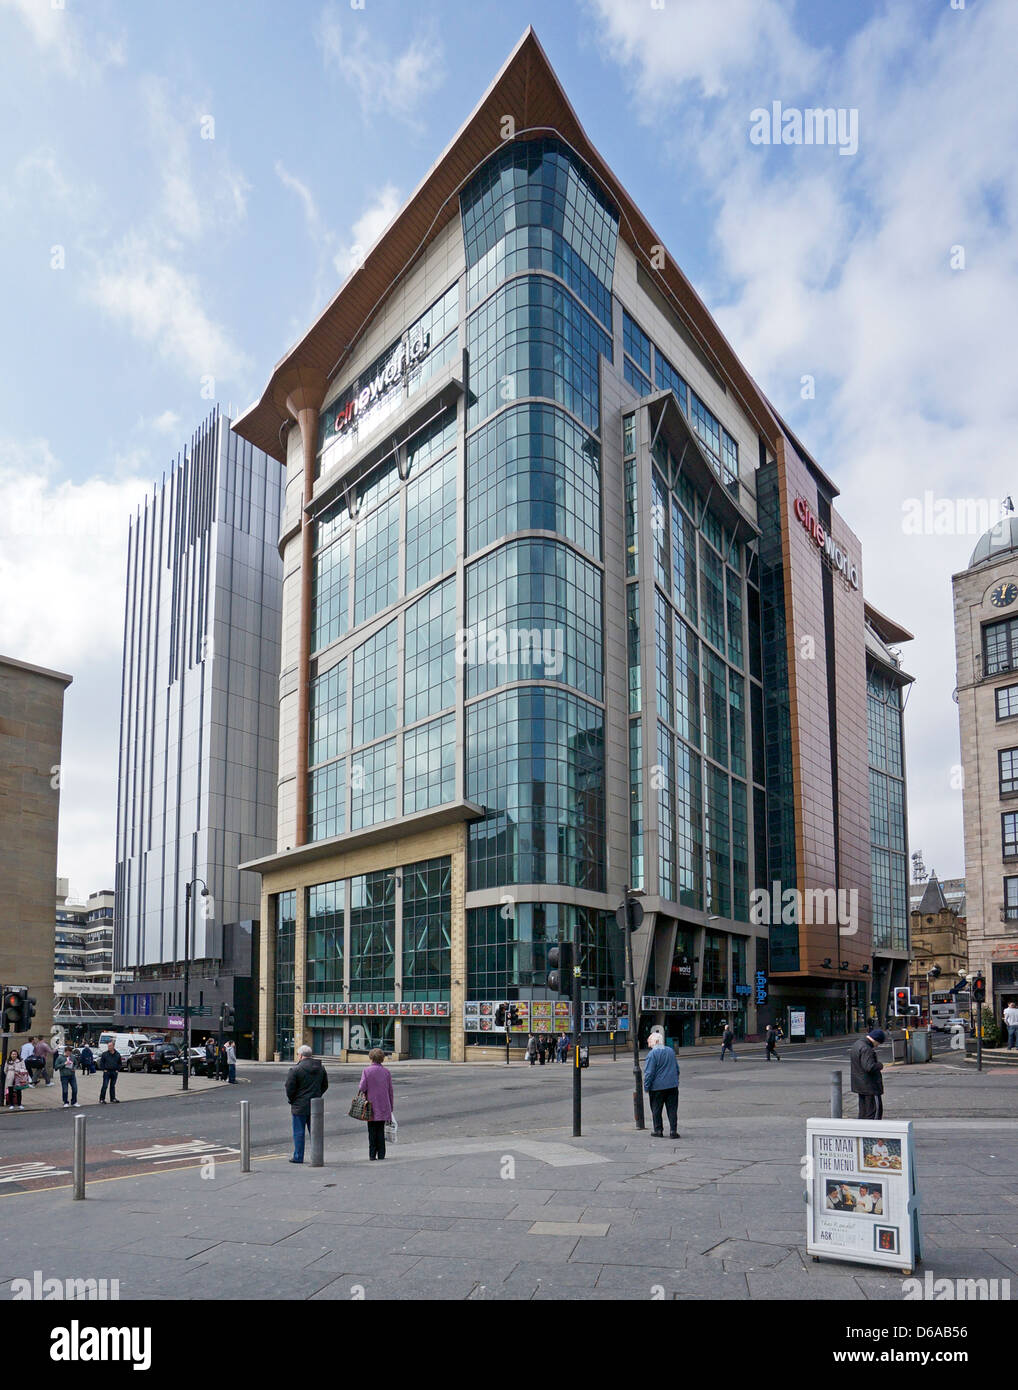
862	1204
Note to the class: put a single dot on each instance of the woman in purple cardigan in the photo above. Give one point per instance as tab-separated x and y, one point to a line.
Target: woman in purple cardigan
376	1083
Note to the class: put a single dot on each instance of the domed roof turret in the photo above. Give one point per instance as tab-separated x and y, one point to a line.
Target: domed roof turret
997	542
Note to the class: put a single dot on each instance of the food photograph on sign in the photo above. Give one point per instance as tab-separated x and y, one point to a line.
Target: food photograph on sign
879	1153
854	1199
885	1239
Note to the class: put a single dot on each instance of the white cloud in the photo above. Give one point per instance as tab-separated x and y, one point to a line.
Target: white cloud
380	77
166	423
839	267
63	550
56	32
201	191
369	227
336	254
164	307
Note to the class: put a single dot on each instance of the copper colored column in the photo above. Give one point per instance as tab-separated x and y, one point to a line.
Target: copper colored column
304	391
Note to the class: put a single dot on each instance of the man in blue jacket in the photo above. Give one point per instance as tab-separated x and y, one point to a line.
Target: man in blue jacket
661	1081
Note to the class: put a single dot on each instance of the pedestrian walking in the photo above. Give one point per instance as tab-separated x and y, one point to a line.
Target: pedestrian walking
87	1060
68	1081
376	1083
867	1082
771	1049
542	1049
563	1046
210	1059
661	1082
32	1061
531	1049
305	1082
45	1054
231	1063
1011	1024
728	1042
16	1080
110	1064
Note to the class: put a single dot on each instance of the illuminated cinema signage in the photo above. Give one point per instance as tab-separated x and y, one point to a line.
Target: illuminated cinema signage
823	540
407	354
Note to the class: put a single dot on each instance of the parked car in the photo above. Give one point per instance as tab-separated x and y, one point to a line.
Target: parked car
199	1066
156	1057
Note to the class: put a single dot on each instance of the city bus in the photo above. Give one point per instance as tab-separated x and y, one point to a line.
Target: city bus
947	1008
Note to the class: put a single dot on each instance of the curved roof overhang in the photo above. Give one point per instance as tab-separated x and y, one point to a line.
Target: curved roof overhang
527	87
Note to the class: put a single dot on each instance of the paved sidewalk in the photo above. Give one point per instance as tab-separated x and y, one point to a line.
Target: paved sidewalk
134	1085
613	1215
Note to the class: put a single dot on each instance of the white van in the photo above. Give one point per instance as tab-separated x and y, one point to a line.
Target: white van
125	1043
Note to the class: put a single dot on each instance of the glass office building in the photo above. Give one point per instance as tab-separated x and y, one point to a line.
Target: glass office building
523	618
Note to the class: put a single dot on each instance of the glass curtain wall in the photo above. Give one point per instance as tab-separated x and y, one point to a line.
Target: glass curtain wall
540	242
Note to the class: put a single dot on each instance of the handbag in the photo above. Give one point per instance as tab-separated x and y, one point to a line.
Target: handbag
360	1107
391	1131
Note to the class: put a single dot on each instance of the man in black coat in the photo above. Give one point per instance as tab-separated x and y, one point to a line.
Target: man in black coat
305	1082
867	1082
110	1064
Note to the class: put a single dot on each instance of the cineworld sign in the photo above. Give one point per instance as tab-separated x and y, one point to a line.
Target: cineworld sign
823	540
406	356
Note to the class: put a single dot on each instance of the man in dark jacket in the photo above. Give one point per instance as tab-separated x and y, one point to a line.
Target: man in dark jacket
728	1042
110	1064
305	1082
210	1059
867	1082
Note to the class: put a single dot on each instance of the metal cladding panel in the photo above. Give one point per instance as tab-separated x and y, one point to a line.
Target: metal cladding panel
827	703
201	652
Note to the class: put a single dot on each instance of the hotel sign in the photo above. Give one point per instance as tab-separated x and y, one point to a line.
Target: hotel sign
823	540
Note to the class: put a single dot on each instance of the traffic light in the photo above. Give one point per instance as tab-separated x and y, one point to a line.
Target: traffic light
561	959
514	1016
500	1016
228	1018
978	987
12	1012
19	1009
903	1002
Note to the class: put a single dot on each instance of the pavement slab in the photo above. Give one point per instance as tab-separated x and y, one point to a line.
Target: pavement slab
612	1215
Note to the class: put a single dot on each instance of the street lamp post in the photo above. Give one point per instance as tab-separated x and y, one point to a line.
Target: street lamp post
187	975
638	1110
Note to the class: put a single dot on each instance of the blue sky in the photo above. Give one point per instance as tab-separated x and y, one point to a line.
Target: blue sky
143	262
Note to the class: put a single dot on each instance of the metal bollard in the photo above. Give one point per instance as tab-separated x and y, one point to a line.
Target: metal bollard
835	1095
245	1136
79	1158
317	1132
